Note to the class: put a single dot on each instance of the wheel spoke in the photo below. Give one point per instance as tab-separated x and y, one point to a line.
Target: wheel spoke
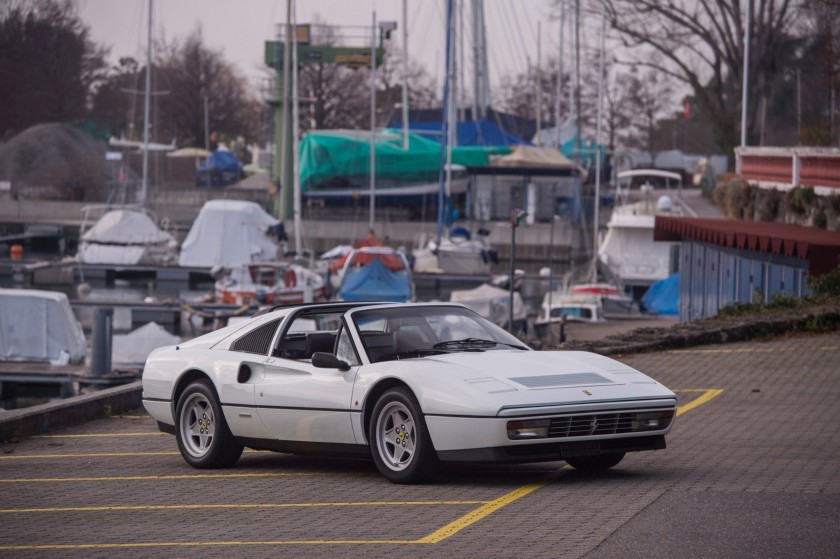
409	443
390	451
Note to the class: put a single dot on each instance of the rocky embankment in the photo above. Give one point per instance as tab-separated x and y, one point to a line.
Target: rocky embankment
784	316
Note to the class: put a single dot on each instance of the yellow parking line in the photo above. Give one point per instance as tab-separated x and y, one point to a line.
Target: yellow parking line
435	537
707	395
96	435
198	544
86	455
112	508
472	517
754	350
162	478
102	455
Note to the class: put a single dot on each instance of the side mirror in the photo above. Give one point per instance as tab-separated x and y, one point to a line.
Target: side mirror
324	360
536	345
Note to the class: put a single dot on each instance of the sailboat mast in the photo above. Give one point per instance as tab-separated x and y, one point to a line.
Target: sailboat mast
539	84
405	75
481	85
598	128
146	103
559	98
296	137
577	73
445	118
372	123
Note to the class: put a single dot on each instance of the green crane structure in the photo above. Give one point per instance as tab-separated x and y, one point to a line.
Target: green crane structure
308	52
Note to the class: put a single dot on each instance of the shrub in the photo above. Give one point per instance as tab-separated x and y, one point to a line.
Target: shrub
826	284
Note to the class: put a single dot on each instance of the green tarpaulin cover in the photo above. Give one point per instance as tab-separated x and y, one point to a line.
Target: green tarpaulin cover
332	160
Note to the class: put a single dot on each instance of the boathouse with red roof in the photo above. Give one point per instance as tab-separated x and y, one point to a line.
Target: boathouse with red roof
725	261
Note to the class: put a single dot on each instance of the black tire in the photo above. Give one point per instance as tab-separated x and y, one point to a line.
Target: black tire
595	463
399	439
204	439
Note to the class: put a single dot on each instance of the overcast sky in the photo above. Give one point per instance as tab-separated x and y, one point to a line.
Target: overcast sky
240	28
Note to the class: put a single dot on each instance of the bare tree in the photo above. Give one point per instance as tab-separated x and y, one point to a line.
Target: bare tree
340	96
115	104
421	89
648	96
48	64
519	98
337	95
700	43
518	93
818	76
192	72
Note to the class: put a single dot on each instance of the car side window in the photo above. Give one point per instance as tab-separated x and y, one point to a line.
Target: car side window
344	349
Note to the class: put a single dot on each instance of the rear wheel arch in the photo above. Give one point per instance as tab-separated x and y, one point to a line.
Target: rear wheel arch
186	379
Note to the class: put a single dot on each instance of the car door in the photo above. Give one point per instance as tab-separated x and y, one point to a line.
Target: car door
299	402
238	370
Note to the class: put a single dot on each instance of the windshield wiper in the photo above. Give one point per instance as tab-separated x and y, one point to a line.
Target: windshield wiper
472	343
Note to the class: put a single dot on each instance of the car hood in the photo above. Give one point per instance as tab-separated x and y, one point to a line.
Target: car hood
487	382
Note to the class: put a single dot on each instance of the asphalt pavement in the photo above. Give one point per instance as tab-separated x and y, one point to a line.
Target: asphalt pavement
752	469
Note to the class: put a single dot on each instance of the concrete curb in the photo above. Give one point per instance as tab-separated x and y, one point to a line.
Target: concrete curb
15	424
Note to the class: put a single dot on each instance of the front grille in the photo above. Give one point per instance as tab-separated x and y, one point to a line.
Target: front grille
613	423
587	425
551	381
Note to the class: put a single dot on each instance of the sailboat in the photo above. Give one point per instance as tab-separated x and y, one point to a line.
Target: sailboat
372	271
453	250
127	234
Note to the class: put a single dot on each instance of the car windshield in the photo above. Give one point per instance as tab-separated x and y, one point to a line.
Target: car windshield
415	331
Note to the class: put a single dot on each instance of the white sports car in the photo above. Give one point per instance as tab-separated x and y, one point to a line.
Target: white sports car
409	384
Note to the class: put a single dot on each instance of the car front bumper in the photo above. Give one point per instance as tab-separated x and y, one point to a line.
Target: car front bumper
552	450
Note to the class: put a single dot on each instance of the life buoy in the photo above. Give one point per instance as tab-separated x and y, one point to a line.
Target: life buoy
290	278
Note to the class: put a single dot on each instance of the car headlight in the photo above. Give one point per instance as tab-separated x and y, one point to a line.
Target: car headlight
528	429
652	421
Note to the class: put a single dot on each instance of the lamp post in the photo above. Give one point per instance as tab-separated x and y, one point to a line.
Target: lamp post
551	260
516	217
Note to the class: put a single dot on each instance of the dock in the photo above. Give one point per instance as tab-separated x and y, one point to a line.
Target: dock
47	373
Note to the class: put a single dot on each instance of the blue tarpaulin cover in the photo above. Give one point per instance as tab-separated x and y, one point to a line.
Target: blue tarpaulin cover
221	168
663	297
375	282
221	160
471	133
